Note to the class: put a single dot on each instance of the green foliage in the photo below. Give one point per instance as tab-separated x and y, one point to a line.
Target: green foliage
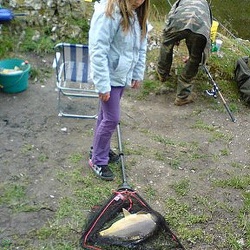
15	40
6	45
159	9
84	26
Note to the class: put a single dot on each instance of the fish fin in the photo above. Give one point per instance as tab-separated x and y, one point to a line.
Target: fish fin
125	212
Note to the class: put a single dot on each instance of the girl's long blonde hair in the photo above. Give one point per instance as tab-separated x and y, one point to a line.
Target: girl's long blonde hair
127	13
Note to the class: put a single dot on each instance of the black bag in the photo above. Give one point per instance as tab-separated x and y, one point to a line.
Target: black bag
242	77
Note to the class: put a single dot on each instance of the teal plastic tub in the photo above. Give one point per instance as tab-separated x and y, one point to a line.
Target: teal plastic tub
14	81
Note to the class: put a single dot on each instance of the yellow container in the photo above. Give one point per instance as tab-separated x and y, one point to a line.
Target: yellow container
214	29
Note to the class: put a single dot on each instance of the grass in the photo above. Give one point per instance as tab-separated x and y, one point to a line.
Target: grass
182	187
12	194
188	217
190	222
236	182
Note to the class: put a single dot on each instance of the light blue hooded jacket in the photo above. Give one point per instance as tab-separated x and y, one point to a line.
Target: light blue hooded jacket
115	57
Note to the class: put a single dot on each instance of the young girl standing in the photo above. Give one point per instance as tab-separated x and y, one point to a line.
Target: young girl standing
117	49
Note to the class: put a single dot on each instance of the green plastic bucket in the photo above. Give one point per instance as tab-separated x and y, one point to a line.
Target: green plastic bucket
17	81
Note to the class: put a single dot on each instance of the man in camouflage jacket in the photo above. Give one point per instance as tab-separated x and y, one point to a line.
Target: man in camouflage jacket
190	20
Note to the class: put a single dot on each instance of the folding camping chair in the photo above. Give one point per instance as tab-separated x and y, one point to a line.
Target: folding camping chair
76	93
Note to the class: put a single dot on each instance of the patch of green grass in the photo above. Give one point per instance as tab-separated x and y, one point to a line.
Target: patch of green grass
237	182
43	158
76	158
213	130
205	202
190	221
27	148
224	152
203	126
66	207
193	235
175	163
221	135
156	87
244	216
239	165
148	87
60	245
181	216
87	191
42	46
229	240
136	150
14	196
11	193
160	156
181	151
150	191
196	156
5	243
164	140
182	187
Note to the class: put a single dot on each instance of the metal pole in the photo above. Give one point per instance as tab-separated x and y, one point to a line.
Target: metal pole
124	178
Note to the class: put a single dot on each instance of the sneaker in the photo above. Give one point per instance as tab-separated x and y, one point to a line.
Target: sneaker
182	101
102	171
113	157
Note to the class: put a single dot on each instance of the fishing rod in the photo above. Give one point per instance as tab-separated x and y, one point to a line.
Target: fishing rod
215	89
169	3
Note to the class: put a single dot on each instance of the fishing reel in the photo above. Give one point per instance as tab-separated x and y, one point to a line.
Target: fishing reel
213	92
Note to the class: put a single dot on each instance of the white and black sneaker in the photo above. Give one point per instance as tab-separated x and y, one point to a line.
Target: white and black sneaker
102	171
113	157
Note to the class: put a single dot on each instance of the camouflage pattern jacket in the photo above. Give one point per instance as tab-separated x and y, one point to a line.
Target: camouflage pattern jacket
194	15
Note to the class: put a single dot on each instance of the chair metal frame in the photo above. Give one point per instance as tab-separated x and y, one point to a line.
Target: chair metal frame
71	63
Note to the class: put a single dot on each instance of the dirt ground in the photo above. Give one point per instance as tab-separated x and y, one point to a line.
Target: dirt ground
166	144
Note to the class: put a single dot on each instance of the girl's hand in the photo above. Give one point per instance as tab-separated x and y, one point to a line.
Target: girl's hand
104	97
135	84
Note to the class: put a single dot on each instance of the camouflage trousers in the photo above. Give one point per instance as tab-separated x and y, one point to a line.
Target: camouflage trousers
195	44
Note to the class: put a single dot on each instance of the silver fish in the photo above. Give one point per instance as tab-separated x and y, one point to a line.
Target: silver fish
132	226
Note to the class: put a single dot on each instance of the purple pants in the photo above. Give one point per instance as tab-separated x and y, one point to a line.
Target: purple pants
108	118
